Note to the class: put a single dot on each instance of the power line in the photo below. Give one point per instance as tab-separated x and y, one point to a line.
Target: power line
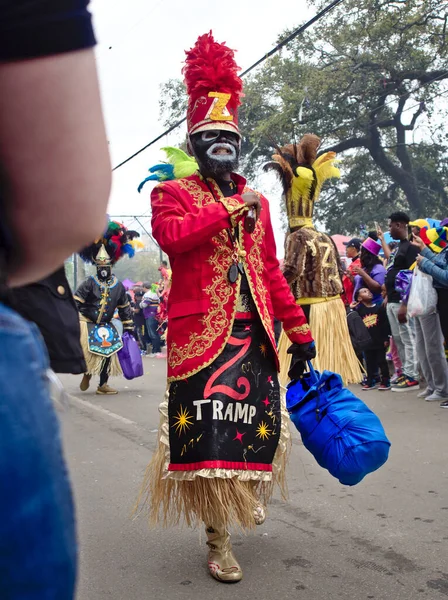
278	47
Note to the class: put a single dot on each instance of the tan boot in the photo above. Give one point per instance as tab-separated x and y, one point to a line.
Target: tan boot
105	390
222	565
85	382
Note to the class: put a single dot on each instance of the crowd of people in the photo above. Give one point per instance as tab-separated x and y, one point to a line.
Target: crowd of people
414	344
149	303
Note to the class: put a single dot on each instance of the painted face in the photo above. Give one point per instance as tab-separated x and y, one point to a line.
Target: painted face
217	151
104	272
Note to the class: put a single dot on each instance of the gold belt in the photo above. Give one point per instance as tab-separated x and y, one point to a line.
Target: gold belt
307	301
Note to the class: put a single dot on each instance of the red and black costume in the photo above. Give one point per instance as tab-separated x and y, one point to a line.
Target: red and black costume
223	433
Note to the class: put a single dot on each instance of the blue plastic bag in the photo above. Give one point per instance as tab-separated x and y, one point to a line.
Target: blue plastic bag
340	431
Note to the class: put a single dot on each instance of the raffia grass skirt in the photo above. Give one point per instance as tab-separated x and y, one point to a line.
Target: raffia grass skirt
95	362
328	323
211	496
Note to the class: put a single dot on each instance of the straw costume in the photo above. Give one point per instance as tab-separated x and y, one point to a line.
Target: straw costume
312	265
223	434
97	299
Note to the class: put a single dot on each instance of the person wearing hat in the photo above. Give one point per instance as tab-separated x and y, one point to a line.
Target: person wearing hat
353	248
97	300
417	225
371	273
223	432
312	265
432	330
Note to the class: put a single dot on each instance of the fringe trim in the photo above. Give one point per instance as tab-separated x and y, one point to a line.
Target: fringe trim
95	362
328	323
211	496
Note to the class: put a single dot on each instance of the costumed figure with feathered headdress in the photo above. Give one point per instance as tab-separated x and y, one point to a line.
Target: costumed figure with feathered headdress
97	299
312	265
224	434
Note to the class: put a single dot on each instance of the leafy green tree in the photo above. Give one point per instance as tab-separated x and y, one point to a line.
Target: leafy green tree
371	79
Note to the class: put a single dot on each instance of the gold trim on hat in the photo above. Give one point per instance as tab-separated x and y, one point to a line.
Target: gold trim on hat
219	125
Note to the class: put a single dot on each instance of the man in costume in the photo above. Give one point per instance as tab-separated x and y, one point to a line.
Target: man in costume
312	265
97	298
223	433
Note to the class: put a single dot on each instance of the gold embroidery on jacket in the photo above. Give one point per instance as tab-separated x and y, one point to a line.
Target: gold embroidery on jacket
200	196
305	328
258	290
215	322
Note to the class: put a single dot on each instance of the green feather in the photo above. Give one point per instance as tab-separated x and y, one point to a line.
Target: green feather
113	226
184	165
175	155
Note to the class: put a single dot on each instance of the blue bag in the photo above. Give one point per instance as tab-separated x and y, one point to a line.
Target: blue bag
340	431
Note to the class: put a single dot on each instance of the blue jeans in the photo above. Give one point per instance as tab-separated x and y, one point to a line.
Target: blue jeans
152	324
38	553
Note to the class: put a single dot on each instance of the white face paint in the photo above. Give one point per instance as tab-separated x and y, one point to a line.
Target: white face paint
221	152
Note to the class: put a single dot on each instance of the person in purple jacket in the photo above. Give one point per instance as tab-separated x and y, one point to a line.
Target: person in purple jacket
372	273
150	306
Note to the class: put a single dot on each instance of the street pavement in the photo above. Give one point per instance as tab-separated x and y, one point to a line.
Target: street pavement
386	538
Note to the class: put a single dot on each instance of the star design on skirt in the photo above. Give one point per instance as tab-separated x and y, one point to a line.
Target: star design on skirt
266	402
247	328
263	349
239	436
270	379
182	421
263	431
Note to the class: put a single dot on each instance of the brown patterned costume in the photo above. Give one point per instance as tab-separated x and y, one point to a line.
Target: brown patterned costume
312	265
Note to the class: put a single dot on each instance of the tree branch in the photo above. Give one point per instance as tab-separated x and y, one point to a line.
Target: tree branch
424	77
347	145
421	109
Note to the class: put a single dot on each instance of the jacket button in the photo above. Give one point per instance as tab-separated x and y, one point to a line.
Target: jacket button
61	290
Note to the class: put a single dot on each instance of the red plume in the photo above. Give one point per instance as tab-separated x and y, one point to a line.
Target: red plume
211	66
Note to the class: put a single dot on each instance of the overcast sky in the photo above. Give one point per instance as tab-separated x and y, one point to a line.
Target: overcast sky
141	45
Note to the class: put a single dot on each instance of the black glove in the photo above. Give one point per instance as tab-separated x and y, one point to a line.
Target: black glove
300	354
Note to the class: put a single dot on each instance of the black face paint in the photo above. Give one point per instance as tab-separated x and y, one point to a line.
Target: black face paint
104	272
217	151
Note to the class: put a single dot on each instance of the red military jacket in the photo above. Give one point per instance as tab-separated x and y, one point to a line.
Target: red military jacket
190	224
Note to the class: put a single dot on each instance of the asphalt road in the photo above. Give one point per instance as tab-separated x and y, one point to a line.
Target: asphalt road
386	538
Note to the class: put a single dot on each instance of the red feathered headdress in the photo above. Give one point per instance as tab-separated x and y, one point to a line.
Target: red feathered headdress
213	86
